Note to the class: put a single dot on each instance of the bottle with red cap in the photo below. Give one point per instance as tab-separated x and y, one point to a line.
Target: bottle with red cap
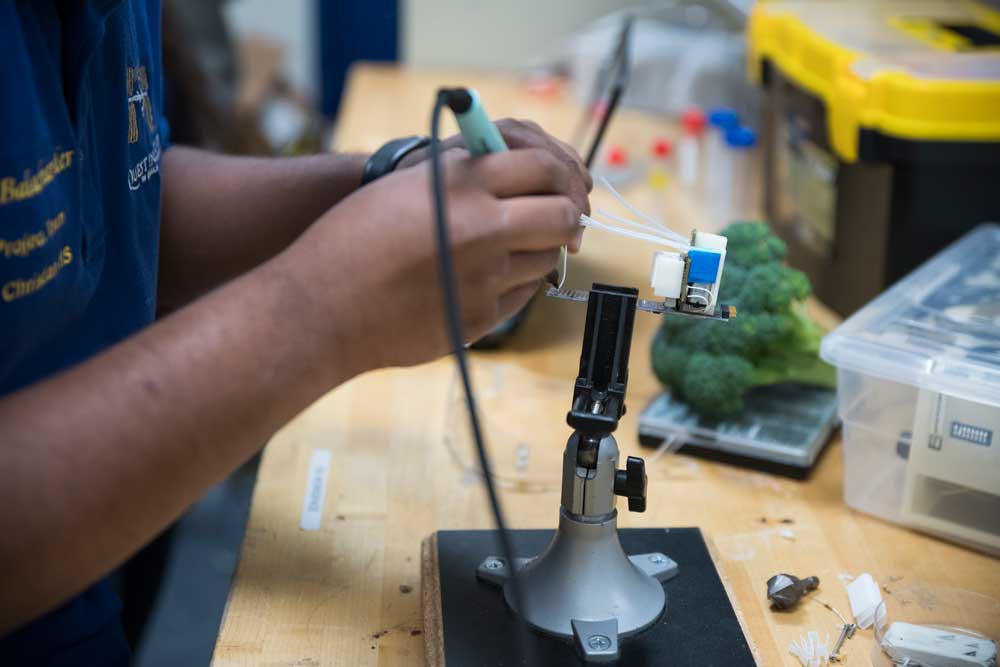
689	147
616	165
617	158
660	151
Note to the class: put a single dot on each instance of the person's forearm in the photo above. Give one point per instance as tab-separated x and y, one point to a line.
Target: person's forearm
96	461
224	215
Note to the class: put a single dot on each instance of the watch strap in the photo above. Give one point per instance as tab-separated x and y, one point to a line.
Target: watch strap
388	157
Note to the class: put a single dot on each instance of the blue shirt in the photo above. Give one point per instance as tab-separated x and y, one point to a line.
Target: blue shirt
81	138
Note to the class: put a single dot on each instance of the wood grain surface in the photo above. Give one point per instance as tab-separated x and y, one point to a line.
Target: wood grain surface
348	594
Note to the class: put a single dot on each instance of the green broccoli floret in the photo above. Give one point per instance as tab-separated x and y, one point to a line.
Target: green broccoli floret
752	243
711	364
717	382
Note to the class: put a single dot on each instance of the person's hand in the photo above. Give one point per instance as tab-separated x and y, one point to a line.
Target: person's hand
520	134
369	267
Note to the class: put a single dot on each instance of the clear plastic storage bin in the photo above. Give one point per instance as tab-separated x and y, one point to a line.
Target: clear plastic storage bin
919	396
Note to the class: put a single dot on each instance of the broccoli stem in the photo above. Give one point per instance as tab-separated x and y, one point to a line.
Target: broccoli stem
795	367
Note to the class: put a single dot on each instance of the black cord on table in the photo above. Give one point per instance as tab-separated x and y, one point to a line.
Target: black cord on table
454	324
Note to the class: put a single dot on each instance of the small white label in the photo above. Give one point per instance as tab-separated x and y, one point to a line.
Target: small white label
312	504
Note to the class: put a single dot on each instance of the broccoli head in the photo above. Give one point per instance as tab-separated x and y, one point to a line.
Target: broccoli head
752	243
711	364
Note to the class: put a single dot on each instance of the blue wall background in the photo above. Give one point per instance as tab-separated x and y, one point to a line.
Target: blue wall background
351	30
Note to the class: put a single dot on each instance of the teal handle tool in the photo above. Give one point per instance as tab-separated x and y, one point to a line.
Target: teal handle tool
480	134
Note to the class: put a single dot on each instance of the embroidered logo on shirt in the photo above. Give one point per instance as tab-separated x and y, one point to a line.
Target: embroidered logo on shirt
137	89
139	102
145	168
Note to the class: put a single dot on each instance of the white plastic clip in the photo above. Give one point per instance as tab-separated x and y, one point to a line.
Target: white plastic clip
865	599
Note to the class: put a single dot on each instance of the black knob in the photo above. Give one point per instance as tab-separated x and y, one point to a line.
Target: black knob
631	483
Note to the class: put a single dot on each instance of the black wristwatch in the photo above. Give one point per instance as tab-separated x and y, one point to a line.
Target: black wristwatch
385	159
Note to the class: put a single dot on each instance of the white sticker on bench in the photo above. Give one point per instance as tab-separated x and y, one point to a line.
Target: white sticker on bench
312	504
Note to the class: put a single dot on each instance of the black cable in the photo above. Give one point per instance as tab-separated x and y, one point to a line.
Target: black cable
620	68
605	119
454	324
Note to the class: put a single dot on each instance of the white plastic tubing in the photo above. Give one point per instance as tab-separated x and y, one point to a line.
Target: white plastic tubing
649	229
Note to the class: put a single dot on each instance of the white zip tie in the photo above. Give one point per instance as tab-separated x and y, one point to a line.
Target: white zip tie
639	214
587	221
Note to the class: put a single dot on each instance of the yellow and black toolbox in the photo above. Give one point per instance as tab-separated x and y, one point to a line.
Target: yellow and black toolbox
881	133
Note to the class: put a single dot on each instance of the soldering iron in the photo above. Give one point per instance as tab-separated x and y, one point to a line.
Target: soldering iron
481	136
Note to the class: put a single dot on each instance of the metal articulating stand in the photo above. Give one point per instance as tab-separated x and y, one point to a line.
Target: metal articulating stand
584	588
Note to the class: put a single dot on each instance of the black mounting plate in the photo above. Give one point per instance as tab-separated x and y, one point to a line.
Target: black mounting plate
698	629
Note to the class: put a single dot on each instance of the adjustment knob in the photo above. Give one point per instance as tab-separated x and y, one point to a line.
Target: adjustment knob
631	483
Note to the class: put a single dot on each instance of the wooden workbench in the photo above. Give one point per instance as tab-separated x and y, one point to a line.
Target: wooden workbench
348	594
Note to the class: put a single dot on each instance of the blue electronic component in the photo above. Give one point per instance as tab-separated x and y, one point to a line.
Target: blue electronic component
704	266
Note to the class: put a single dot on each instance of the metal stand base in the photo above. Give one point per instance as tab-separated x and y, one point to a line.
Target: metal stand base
560	595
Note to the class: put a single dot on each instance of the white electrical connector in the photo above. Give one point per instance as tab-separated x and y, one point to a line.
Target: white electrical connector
710	241
865	600
668	275
810	651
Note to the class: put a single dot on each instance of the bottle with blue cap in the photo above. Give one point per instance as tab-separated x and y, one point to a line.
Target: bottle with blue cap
720	121
736	197
740	137
723	118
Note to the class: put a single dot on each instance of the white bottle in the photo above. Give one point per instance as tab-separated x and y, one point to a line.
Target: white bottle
735	197
720	120
689	148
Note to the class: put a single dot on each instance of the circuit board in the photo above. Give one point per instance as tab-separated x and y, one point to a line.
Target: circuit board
665	307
